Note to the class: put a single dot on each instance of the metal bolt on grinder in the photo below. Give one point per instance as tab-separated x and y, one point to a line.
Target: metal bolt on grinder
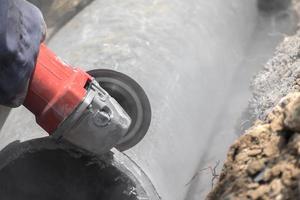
95	110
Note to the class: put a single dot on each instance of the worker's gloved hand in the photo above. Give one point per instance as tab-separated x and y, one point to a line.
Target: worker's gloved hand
22	29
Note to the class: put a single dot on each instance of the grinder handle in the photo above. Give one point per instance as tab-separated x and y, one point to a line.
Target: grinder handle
55	90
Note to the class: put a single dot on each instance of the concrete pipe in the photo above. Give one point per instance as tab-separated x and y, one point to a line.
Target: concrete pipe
183	53
45	169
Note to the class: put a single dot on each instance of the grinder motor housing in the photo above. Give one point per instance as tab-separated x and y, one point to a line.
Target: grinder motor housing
69	104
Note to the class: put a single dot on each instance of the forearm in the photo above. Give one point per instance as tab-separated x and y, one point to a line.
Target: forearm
21	31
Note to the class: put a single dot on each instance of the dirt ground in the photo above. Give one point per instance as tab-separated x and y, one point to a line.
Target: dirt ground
264	162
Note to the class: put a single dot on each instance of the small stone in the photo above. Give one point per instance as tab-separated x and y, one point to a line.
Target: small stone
252	194
276	186
267	175
295	142
253	185
292	120
259	192
289	174
279	197
254	152
263	189
276	117
270	150
255	167
296	88
242	156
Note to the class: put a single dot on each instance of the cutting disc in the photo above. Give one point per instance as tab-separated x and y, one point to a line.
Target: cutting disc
131	96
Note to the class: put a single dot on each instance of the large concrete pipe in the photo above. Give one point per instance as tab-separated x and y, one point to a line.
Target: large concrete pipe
45	169
184	53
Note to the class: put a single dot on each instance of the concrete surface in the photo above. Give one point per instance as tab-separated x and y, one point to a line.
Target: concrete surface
233	118
184	61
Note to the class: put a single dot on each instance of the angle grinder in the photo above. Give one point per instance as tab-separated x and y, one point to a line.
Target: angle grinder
95	110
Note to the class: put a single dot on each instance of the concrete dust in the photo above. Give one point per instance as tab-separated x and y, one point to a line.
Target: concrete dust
279	77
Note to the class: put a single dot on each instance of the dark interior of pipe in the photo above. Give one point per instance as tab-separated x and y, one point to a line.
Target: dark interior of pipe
272	6
56	175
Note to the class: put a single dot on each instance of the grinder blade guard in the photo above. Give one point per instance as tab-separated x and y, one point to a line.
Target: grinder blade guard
133	99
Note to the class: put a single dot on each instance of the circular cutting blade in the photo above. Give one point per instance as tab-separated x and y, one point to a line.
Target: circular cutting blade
131	96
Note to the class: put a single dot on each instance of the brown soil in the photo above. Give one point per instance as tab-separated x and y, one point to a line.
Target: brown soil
264	163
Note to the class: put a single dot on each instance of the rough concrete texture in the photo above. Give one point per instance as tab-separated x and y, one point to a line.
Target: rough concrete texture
264	163
279	77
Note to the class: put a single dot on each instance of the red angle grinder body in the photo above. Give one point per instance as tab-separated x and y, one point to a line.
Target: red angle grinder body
70	104
56	90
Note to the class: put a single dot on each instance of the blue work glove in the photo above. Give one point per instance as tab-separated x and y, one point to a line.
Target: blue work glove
22	29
